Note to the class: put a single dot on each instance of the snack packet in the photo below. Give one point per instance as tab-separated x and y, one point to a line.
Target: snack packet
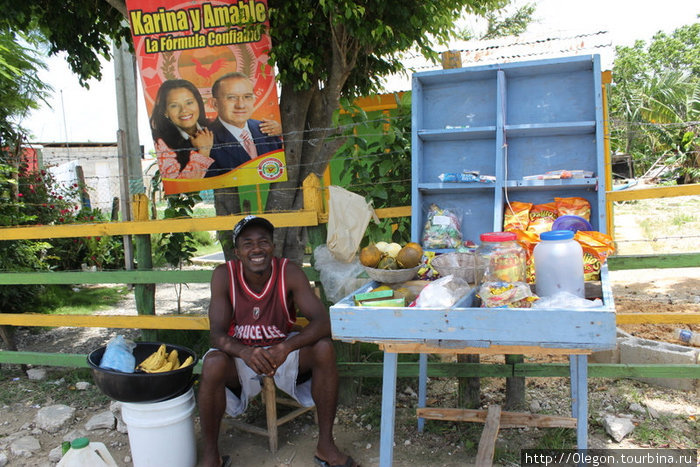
542	216
573	207
442	229
528	240
596	247
516	216
506	295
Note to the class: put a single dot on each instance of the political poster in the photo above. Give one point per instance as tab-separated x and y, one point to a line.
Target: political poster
210	92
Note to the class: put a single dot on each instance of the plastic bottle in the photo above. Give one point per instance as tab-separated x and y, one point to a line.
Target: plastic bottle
83	453
687	336
559	264
499	258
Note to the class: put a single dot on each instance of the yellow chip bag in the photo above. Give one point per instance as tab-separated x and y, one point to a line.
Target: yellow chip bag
516	216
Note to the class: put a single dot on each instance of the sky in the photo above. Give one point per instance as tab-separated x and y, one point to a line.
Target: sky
79	115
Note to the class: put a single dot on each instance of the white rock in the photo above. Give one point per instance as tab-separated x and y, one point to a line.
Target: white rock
407	442
53	417
653	413
127	459
634	407
369	446
121	426
25	446
56	454
36	374
535	406
617	427
409	391
3	459
82	385
102	420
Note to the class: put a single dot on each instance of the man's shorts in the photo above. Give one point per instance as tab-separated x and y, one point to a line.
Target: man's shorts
251	384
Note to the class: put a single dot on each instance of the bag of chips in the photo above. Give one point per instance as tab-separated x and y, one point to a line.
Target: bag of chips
528	240
542	216
573	207
596	247
516	216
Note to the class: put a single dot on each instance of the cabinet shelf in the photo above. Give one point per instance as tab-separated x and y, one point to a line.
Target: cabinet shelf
451	134
551	129
552	184
454	187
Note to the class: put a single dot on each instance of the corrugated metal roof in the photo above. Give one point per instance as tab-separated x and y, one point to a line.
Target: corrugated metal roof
511	49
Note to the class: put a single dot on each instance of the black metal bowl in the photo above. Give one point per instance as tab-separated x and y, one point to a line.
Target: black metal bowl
143	387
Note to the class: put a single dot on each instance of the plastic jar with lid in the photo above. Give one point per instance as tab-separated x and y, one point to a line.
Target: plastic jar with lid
559	264
499	258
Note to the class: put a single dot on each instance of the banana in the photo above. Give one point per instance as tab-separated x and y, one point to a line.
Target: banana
173	359
167	366
187	362
153	361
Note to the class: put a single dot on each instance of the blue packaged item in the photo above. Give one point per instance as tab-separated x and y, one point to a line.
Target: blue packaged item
119	355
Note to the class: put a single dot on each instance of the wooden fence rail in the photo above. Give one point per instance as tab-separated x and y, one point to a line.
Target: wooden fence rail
312	215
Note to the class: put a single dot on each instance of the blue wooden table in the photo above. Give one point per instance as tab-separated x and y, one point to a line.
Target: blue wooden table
471	330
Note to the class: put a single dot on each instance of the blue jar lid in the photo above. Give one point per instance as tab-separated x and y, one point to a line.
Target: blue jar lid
557	235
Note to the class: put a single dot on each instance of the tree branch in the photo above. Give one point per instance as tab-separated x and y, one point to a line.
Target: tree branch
120	6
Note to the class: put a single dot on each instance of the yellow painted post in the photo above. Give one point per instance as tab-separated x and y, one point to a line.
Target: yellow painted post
606	78
313	201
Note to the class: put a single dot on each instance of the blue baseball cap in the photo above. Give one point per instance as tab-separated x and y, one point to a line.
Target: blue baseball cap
251	221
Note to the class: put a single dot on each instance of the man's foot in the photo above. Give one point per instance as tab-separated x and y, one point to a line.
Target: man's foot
349	462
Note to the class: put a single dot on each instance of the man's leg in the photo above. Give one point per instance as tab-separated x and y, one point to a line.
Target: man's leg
218	371
319	358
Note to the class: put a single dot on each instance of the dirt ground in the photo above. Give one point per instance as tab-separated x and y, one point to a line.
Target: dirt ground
357	427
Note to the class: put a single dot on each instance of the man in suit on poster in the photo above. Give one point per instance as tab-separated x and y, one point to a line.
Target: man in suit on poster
237	137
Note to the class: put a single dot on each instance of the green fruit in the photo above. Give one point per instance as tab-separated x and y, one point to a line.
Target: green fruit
388	262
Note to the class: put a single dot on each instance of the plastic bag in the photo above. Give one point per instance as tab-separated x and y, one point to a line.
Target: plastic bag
566	300
339	279
442	228
119	355
442	293
347	221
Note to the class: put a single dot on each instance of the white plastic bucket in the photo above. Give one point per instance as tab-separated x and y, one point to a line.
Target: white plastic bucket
161	434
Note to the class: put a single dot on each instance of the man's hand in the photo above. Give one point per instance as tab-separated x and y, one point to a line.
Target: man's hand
279	353
259	360
271	127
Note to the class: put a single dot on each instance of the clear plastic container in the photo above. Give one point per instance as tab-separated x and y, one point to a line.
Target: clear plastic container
499	258
687	336
559	264
83	453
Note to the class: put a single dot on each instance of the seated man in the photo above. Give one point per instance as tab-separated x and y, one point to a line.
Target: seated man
251	314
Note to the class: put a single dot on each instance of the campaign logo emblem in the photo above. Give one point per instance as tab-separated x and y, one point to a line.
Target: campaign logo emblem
270	168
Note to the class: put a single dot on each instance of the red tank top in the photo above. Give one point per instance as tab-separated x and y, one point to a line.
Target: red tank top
260	319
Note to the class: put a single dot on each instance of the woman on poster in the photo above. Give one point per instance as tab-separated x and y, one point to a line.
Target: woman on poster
180	134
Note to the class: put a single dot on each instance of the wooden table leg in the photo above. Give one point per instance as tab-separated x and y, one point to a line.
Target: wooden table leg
386	439
422	386
582	403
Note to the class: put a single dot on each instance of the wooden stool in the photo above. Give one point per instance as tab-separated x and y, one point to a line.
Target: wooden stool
270	399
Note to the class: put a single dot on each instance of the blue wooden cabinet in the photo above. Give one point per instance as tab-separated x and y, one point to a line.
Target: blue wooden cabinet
509	121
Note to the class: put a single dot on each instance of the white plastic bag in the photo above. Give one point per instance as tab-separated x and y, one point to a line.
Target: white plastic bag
339	279
442	293
347	221
566	300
